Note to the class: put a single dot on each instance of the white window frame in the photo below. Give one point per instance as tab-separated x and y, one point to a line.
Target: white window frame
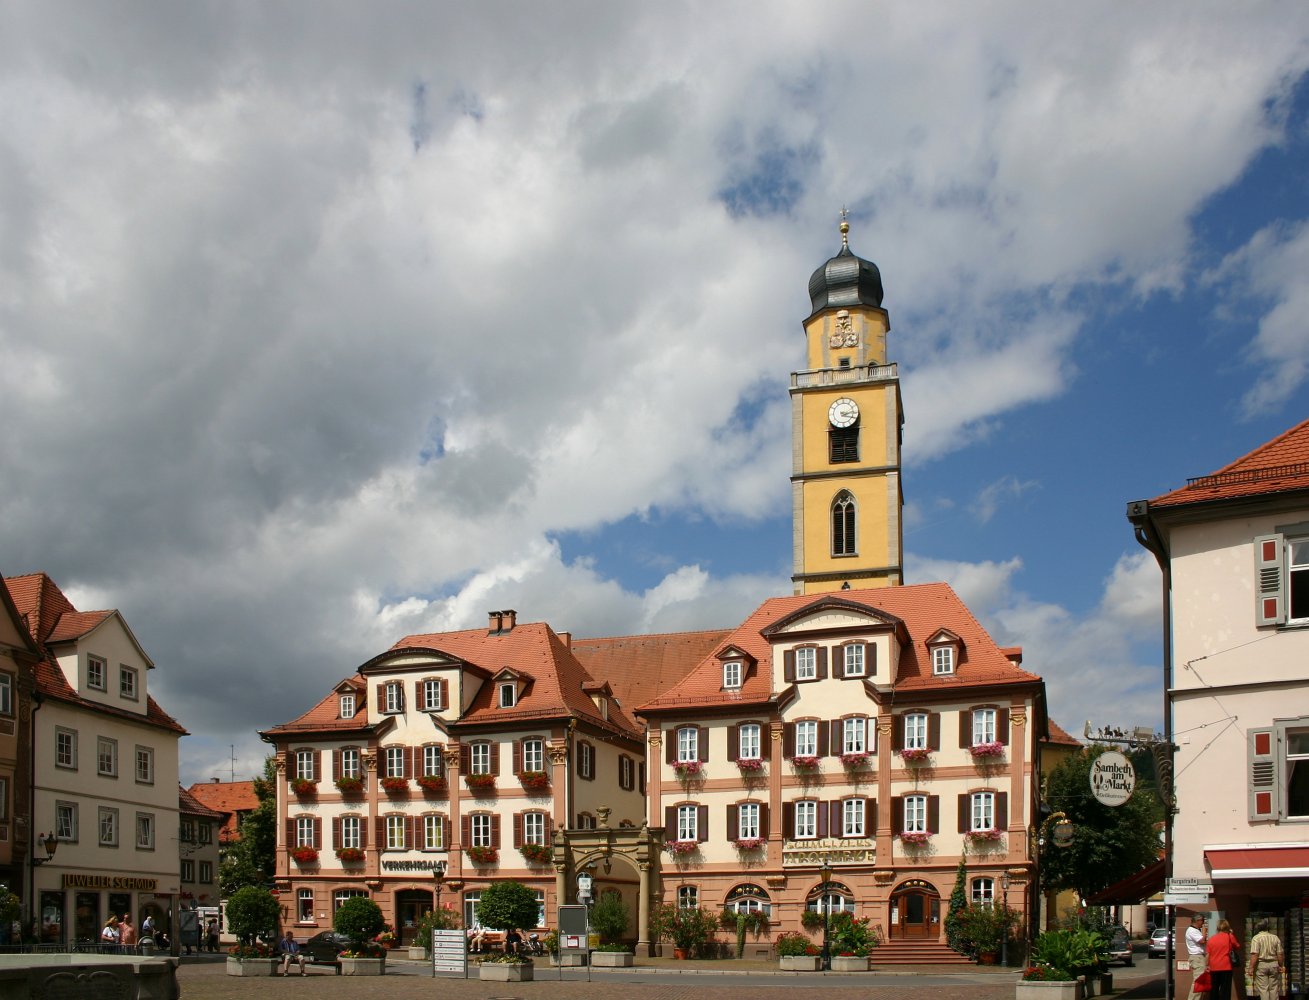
688	897
6	693
982	891
108	826
749	741
66	748
942	660
981	806
348	705
304	831
806	663
305	764
432	695
853	661
806	738
854	735
433	760
351	763
688	822
732	674
393	696
688	744
352	829
626	772
915	731
508	694
145	765
471	899
534	828
480	826
145	831
433	832
853	818
305	906
394	758
915	814
66	822
806	819
747	821
96	670
106	757
395	833
479	757
188	870
128	682
985	723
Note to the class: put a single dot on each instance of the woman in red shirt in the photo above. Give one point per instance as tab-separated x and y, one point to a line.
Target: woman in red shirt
1219	949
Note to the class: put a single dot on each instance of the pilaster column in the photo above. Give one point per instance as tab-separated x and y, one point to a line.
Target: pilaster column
643	911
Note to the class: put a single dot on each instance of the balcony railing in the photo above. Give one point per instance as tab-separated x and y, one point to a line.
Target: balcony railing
843	376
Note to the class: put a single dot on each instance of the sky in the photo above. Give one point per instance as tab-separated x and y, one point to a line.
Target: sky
323	323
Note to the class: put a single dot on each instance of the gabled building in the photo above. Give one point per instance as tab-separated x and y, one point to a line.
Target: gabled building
105	782
234	800
18	659
1234	549
199	845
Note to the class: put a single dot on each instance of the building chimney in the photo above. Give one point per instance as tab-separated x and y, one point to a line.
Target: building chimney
509	620
214	780
493	622
567	639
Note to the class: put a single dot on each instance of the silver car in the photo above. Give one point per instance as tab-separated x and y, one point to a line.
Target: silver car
1159	939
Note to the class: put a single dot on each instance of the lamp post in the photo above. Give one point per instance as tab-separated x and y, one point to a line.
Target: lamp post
1004	917
51	843
825	873
438	877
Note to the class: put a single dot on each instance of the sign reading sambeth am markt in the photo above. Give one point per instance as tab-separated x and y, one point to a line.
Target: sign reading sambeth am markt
1113	778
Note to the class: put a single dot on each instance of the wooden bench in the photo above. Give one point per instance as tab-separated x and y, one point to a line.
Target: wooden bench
492	941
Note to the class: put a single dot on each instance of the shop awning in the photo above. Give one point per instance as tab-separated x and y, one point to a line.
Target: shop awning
1144	884
1273	861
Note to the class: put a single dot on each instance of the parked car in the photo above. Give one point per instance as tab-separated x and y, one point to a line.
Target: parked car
325	947
1158	946
1120	945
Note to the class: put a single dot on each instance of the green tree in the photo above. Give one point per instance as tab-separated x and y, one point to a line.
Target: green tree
253	912
252	859
506	905
958	903
359	919
1109	842
609	917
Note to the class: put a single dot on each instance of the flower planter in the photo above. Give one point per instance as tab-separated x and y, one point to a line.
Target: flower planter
417	953
613	959
568	960
849	963
801	963
502	972
250	966
362	966
1048	991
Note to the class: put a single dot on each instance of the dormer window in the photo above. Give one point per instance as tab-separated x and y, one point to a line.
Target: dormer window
508	695
732	675
348	706
806	663
943	660
95	673
393	697
853	660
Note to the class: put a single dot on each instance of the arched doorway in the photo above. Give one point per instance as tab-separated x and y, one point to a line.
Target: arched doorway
915	910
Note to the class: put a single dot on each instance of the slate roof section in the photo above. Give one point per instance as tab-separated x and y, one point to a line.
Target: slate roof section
1280	466
51	618
922	609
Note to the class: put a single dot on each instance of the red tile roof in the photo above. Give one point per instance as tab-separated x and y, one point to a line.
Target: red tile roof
51	617
1060	736
191	806
921	609
231	798
1280	466
641	667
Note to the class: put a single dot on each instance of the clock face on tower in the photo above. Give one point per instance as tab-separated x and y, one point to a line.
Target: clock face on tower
843	413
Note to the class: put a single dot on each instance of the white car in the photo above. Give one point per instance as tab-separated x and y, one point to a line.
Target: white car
1158	946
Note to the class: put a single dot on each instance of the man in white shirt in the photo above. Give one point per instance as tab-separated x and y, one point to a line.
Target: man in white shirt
1195	942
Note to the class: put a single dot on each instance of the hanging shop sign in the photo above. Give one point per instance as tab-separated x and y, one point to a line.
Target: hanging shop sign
1113	778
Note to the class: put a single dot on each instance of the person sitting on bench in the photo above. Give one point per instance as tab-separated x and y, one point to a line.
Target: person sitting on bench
291	952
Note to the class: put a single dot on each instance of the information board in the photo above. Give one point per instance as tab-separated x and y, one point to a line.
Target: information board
449	953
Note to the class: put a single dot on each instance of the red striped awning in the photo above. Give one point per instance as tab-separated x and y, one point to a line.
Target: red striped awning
1273	861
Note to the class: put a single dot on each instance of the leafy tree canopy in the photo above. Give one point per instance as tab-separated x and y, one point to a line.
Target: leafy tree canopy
1109	842
507	904
359	919
252	860
253	911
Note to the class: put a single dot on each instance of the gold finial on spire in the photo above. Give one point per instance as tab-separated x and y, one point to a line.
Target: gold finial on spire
845	229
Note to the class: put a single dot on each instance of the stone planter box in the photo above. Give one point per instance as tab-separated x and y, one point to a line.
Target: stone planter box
806	963
1048	991
501	972
849	963
363	966
613	959
417	953
251	966
568	961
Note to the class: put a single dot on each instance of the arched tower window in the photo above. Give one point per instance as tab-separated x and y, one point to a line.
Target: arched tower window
844	541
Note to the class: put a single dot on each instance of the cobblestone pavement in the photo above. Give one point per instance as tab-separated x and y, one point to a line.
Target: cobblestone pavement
209	981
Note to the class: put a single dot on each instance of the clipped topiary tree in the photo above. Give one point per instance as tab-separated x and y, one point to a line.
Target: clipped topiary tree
506	905
253	912
359	919
954	932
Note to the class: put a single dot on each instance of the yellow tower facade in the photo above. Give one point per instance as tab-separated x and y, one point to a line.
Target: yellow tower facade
846	421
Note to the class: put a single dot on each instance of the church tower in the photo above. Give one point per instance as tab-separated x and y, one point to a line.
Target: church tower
845	435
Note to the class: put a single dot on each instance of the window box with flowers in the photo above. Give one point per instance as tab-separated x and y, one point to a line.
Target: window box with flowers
536	854
349	855
750	765
433	784
985	751
857	759
916	839
480	782
681	848
687	768
984	837
534	781
914	755
482	855
748	843
304	855
349	785
805	762
395	786
303	786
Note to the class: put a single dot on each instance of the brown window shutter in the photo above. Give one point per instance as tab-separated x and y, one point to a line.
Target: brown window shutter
549	828
380	823
670	746
1002	725
823	828
838	738
897	814
465	759
670	822
518	829
336	764
965	812
445	693
336	831
788	820
702	743
1002	810
495	830
821	658
788	666
788	739
870	818
733	822
835	823
870	659
702	823
873	737
418	696
733	743
934	731
466	830
495	757
290	833
411	833
838	662
824	738
518	758
763	819
640	775
363	835
933	814
445	832
897	733
318	833
966	728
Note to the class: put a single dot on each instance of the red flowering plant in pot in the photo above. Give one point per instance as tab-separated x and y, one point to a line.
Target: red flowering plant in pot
804	762
395	786
349	855
687	768
482	855
303	786
433	784
349	785
304	855
750	765
536	854
534	781
914	755
480	782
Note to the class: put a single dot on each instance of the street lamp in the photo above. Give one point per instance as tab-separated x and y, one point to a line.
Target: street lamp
50	842
1004	917
438	877
825	873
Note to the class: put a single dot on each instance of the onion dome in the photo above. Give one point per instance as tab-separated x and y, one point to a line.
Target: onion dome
845	280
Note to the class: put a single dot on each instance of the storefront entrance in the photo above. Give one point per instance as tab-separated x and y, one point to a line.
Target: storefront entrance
410	905
916	911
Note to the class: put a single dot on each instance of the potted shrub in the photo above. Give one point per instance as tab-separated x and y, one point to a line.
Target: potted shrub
360	919
433	784
1058	958
746	844
686	769
681	848
534	781
687	929
797	953
505	905
444	918
613	956
348	785
610	920
851	940
987	751
984	929
854	760
252	913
